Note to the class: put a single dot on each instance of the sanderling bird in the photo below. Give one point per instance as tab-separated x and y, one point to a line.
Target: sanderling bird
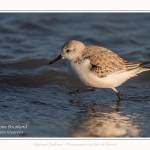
98	67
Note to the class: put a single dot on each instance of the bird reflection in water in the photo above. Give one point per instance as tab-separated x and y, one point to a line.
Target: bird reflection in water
103	121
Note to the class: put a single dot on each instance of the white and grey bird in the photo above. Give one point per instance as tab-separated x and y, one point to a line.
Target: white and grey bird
98	67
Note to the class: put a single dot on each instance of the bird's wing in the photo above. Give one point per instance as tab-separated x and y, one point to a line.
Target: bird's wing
103	61
131	66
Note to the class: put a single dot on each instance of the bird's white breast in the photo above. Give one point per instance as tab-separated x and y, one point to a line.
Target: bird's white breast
80	70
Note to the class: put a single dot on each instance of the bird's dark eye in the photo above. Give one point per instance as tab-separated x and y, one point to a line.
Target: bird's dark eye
67	50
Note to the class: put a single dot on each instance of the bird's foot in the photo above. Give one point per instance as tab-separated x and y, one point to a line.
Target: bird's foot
74	92
79	91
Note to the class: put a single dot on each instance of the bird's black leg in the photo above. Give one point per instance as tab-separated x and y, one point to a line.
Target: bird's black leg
118	94
79	91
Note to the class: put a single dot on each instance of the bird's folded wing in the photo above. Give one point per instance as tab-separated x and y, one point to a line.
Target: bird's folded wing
104	62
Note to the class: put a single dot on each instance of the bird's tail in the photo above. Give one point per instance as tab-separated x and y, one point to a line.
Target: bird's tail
142	65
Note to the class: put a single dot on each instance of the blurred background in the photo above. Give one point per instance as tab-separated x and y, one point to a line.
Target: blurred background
33	93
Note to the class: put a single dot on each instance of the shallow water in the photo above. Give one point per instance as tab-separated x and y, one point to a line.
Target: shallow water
33	93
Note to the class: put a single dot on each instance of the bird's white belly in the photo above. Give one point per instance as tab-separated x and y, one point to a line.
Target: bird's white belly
82	72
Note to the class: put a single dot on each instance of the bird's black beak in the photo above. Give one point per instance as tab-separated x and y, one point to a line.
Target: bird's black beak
56	59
